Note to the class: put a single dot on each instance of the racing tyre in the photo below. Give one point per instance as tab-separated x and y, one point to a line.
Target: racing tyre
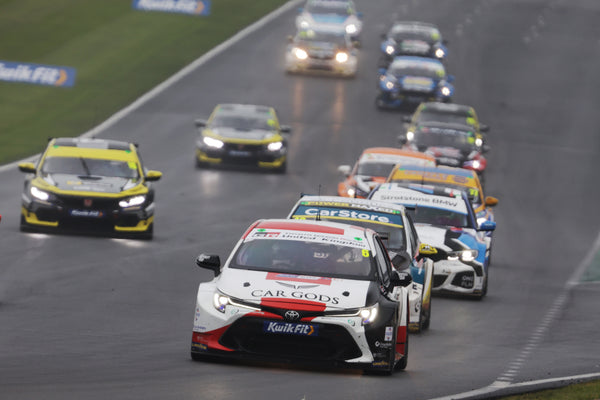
427	317
379	103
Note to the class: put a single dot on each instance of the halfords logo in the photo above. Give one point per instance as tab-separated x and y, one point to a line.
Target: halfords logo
193	7
37	74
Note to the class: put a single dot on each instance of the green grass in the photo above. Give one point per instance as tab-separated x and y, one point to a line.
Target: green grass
119	54
581	391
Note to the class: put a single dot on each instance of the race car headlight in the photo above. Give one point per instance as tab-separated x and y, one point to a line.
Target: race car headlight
300	53
368	315
275	146
304	24
220	301
351	29
341	57
39	194
439	53
478	142
476	164
410	135
463	255
132	201
389	85
445	91
389	49
211	142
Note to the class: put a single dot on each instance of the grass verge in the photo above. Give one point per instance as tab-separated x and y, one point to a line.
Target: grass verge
119	54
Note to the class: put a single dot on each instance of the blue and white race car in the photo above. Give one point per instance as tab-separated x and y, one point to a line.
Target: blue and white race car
411	38
410	81
309	291
331	15
392	223
444	218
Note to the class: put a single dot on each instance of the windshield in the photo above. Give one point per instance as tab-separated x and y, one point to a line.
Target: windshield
447	117
305	38
330	8
439	216
242	122
461	140
90	167
428	70
406	33
305	258
375	168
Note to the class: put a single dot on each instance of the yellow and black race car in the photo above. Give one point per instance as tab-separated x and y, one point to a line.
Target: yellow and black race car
242	134
89	185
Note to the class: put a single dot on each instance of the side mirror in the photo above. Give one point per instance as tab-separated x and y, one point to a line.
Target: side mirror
407	118
27	167
485	148
427	250
490	201
484	128
152	176
401	260
487	226
200	123
445	42
400	279
290	39
209	261
345	169
285	129
402	139
450	78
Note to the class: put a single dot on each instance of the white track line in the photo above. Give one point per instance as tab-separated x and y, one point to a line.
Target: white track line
119	115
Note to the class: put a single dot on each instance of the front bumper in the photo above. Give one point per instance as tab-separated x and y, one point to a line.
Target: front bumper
397	99
324	66
254	155
69	213
458	278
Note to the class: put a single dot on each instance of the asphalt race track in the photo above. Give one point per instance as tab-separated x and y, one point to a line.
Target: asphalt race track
99	318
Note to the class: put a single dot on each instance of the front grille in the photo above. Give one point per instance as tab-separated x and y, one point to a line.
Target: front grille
253	148
464	280
77	202
333	342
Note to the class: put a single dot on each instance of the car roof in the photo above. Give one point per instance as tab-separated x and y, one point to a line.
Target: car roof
439	174
446	107
352	203
446	125
413	24
91	143
92	148
418	60
438	197
244	109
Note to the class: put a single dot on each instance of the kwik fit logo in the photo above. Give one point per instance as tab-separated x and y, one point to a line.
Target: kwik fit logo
37	74
192	7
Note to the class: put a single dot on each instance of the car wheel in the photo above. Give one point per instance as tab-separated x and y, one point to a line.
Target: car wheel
379	103
427	318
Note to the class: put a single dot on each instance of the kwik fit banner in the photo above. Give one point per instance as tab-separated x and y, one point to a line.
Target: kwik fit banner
192	7
37	74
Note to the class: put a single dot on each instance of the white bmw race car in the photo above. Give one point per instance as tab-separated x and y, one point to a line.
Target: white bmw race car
392	223
308	291
444	218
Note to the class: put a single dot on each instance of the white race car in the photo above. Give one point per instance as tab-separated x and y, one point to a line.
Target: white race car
306	291
392	223
331	14
445	219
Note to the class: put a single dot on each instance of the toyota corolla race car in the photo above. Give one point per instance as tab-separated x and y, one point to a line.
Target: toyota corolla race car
313	291
444	219
374	166
409	81
448	113
242	134
411	38
448	177
396	229
89	184
338	15
454	145
321	51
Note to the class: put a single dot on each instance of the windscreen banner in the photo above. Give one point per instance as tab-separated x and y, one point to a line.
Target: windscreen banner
192	7
37	74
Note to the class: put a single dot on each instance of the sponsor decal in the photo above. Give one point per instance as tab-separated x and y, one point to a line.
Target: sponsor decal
368	207
289	328
381	363
296	294
313	212
87	213
191	7
308	236
275	276
383	345
389	333
37	74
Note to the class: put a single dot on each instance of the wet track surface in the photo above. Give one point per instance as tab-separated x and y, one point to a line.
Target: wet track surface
95	318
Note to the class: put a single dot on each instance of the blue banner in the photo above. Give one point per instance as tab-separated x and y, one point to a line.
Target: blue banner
37	74
192	7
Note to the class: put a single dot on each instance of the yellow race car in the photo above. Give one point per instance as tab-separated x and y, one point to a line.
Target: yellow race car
244	135
89	185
